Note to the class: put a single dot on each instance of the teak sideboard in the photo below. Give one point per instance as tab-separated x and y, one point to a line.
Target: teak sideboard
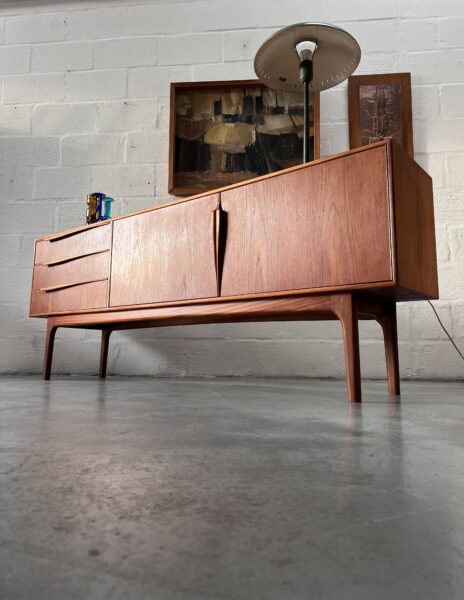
344	237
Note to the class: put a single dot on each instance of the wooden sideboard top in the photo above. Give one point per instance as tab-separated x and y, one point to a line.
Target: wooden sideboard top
319	161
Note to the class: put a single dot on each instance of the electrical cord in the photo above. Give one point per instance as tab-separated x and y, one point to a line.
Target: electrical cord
445	330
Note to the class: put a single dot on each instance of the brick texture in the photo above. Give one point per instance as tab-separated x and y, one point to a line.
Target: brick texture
85	106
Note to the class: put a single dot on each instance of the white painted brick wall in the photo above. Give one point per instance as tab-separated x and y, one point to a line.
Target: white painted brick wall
29	151
152	82
16	120
62	119
94	24
190	49
15	59
34	28
126	180
69	56
125	52
451	97
95	149
127	115
85	106
61	182
33	88
96	85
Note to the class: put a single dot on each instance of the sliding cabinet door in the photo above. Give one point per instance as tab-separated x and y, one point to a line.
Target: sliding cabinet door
165	254
322	226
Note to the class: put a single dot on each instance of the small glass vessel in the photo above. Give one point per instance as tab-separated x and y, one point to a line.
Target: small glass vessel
106	208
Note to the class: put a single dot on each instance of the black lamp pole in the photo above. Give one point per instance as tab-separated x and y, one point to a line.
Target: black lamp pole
306	76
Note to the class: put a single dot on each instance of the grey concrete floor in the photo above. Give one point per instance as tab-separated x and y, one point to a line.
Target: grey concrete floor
229	489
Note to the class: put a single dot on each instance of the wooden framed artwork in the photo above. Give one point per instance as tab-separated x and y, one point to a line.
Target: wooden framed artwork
224	132
380	108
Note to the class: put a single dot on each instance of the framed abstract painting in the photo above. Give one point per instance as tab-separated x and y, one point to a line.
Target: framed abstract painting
380	108
224	132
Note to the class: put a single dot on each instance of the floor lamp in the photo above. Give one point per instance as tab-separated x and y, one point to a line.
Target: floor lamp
308	57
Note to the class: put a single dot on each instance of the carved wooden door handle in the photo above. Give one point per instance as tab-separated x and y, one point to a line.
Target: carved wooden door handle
220	236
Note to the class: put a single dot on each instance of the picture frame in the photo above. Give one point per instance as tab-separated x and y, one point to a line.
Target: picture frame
380	107
224	132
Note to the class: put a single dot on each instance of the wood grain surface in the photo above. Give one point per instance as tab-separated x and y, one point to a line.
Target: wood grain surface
81	296
82	242
416	254
304	307
303	230
324	226
165	255
272	309
80	270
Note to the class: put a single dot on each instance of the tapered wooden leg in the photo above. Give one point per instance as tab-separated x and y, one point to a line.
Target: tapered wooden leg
105	342
48	353
346	310
390	335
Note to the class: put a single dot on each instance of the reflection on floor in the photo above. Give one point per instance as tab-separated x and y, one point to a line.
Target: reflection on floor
231	489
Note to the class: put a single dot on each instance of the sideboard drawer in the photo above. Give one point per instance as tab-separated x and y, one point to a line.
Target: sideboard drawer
73	244
78	270
74	297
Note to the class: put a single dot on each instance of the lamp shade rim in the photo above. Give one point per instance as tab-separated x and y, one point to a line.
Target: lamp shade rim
336	57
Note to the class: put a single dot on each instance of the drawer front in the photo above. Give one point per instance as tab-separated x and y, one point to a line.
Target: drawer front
83	242
77	297
79	270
